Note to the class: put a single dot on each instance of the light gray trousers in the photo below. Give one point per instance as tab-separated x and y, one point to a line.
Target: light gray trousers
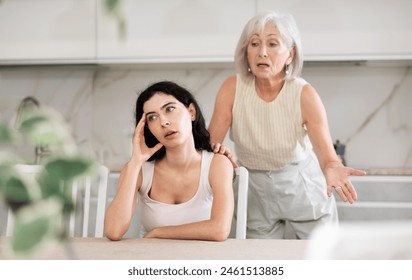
288	203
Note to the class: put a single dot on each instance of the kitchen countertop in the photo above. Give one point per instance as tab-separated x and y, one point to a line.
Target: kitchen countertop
376	171
389	171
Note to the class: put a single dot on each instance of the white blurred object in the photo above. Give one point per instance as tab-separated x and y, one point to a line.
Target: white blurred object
377	240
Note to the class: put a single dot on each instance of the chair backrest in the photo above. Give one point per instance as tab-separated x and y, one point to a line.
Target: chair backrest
85	193
241	211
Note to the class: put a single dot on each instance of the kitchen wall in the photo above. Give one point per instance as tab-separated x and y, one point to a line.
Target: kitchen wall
368	103
368	106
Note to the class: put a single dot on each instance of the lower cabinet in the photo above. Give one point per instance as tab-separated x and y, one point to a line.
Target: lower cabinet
379	198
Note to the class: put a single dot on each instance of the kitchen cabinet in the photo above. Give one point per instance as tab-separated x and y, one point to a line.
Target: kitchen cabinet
162	31
351	29
173	30
380	197
47	31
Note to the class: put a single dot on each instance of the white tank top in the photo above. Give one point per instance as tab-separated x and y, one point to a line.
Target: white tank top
268	135
157	214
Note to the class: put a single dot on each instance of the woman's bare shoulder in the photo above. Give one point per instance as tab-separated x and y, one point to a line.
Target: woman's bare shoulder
221	165
230	81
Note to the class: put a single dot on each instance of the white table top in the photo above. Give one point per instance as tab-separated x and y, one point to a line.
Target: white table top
166	249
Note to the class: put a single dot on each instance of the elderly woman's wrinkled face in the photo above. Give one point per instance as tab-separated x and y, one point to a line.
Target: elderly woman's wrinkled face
268	54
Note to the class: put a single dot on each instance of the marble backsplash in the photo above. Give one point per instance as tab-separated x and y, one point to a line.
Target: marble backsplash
368	105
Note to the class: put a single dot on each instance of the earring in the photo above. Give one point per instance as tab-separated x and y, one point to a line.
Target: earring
287	69
249	70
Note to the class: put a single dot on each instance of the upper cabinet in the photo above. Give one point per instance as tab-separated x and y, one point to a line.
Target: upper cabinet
47	31
350	29
146	31
171	30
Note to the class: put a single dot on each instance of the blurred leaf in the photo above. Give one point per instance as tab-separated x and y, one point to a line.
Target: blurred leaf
121	26
40	200
49	186
113	8
37	229
5	172
8	158
43	130
16	193
36	226
53	187
30	122
111	4
60	172
7	135
18	189
67	169
44	126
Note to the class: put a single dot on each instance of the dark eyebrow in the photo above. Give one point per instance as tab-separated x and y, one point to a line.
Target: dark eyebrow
165	105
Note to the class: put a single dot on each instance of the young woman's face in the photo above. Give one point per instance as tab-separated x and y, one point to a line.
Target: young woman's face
168	119
267	53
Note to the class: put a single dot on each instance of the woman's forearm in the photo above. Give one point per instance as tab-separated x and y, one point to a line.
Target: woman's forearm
120	212
218	128
204	230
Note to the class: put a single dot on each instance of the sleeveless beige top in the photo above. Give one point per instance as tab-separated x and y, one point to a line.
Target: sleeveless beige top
268	135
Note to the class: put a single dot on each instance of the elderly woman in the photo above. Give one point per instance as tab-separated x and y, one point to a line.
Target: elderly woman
183	188
280	131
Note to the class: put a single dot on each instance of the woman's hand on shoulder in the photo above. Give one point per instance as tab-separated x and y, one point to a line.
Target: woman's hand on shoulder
219	148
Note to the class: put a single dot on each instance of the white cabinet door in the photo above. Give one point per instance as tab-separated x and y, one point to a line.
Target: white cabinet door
350	29
173	30
45	30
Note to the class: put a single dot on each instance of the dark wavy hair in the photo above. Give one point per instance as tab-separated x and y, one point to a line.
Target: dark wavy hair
200	133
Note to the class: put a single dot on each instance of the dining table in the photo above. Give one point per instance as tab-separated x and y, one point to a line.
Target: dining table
93	248
94	258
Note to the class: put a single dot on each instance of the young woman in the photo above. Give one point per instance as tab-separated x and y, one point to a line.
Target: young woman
184	190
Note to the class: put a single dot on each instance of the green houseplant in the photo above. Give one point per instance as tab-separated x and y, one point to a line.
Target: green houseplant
39	205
